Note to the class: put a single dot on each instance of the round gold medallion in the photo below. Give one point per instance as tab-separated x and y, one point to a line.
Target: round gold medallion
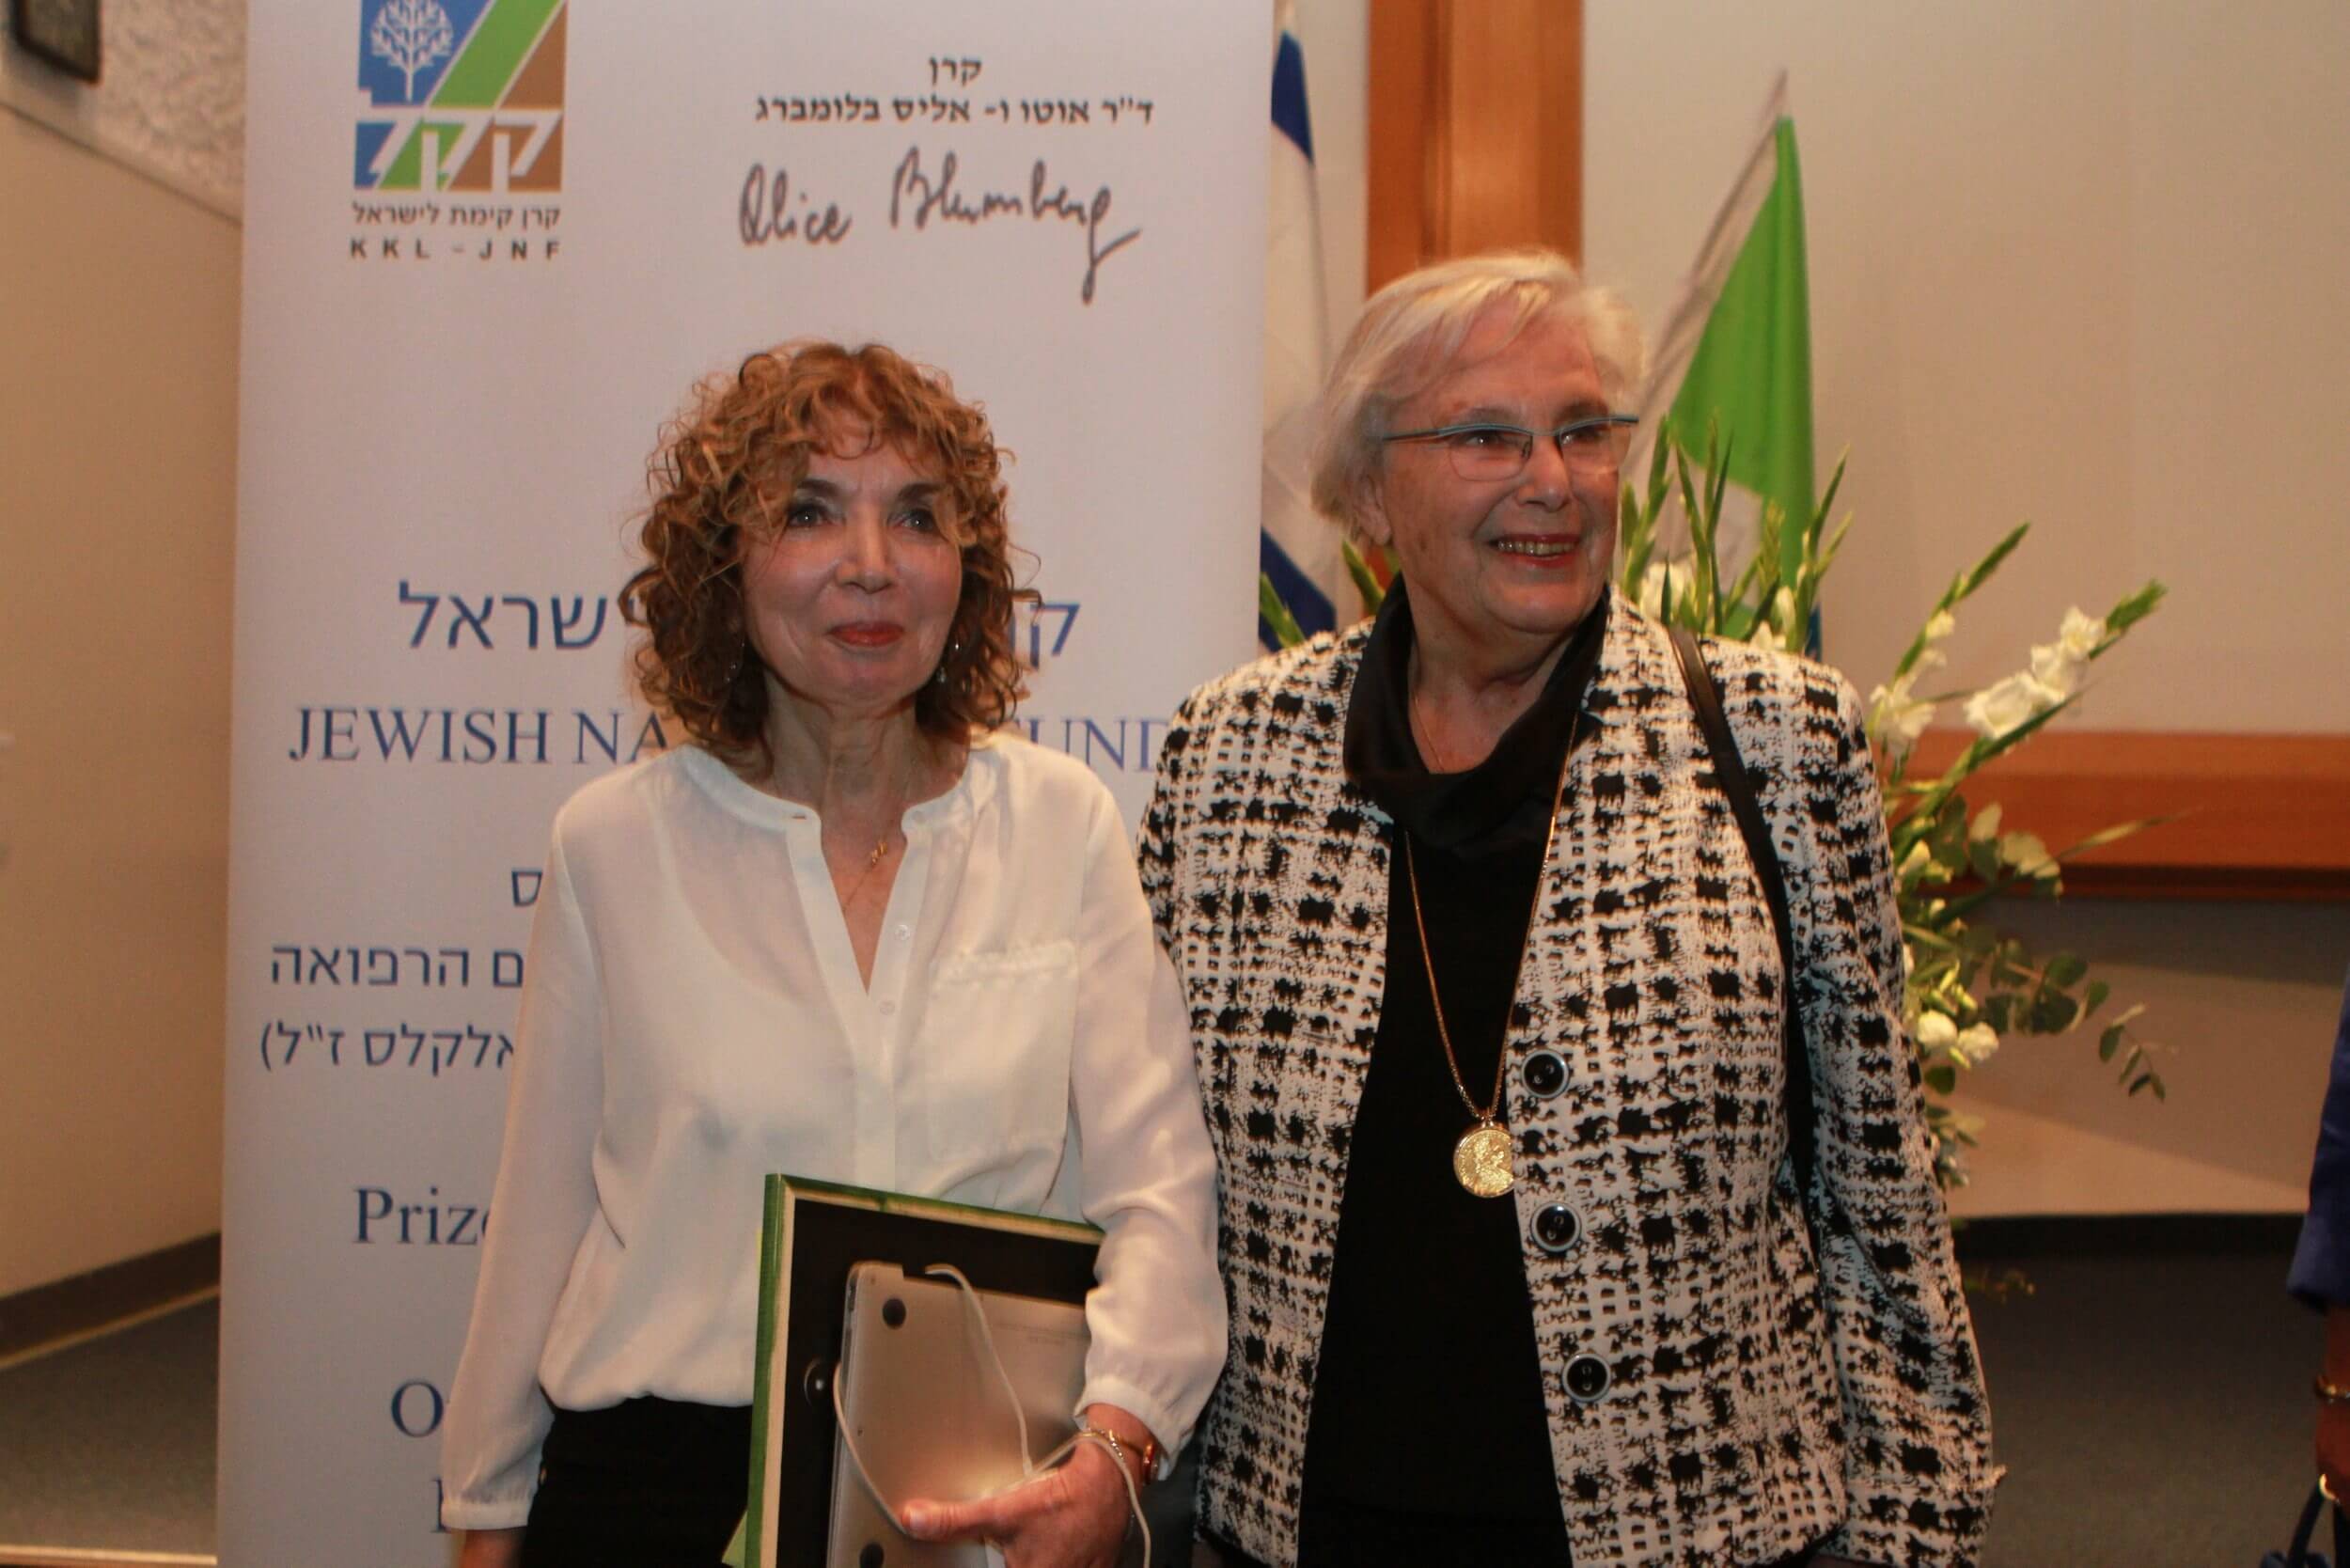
1481	1161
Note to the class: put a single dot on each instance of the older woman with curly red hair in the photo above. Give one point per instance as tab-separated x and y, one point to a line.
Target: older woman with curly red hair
853	930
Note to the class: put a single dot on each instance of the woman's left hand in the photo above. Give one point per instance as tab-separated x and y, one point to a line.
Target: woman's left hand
1073	1516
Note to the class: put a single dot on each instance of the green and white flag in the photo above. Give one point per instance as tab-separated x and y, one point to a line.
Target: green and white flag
1735	351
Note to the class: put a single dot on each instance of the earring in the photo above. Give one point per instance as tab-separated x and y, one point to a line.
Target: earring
954	653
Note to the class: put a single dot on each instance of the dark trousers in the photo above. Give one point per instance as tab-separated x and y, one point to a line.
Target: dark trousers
648	1483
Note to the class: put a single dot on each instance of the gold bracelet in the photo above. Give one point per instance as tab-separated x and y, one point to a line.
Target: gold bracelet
1118	1450
2329	1394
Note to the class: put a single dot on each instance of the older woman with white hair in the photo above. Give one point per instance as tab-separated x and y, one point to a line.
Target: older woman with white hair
1549	1231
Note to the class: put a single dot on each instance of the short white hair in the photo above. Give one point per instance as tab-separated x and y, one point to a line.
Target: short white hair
1411	331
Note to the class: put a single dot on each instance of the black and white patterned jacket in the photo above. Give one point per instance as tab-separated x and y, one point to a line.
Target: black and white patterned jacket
1767	1379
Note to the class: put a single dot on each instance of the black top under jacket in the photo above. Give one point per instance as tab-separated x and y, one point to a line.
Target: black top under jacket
1428	1394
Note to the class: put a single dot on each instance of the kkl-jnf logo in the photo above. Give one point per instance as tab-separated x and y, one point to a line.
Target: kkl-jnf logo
461	95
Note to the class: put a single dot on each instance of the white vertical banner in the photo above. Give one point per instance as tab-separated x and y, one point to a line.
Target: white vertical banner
489	245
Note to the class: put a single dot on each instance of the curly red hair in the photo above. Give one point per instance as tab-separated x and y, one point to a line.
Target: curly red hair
724	466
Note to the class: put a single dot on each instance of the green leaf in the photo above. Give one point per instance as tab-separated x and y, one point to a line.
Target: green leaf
2113	834
2053	1012
1366	580
1942	1079
1828	497
2129	612
1981	572
1745	606
1636	537
2110	1041
1982	858
1657	471
1948	838
1276	614
2095	998
1799	543
2066	969
1710	570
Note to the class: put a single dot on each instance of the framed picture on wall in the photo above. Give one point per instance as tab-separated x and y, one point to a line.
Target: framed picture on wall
63	32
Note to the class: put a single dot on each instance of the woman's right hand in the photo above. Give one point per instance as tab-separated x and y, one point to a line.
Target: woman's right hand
490	1548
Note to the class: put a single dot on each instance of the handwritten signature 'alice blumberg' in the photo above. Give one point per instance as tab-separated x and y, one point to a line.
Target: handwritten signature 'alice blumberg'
917	196
773	211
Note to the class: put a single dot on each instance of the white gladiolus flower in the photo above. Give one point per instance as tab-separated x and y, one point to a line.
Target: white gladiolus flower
1974	1045
1912	720
1765	638
2080	634
1929	657
2059	665
1936	1032
1881	701
1986	824
1915	862
1896	715
1997	709
2056	670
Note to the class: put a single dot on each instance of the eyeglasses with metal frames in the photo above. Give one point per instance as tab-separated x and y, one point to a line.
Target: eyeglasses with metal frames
1484	450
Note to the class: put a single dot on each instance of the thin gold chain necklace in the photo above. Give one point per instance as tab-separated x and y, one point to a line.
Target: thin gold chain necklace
1481	1159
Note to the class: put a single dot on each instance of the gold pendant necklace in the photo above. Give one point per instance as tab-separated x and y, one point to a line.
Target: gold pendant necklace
1481	1159
872	864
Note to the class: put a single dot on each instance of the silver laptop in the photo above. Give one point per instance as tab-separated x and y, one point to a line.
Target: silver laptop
930	1415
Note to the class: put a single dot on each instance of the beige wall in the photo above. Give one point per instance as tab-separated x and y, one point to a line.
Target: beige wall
2079	263
117	458
2242	1000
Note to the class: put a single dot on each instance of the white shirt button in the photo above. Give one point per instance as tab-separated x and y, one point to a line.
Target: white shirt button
904	932
888	1008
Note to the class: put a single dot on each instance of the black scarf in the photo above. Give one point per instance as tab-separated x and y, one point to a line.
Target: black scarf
1503	802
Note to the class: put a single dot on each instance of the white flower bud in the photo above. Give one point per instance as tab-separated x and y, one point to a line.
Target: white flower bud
1975	1043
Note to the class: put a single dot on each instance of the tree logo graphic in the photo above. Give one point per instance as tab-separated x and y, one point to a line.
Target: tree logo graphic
411	35
459	95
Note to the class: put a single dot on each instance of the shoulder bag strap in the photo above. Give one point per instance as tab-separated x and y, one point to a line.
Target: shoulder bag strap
1730	768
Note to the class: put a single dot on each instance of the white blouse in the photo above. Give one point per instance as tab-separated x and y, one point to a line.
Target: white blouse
694	1020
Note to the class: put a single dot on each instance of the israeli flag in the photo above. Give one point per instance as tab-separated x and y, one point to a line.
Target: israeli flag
1300	551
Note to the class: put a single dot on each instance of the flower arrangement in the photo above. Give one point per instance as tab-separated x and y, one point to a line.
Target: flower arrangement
1967	985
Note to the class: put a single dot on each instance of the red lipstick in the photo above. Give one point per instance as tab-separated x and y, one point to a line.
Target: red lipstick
869	633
